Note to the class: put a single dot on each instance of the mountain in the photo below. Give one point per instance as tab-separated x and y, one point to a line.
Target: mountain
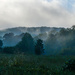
34	31
12	36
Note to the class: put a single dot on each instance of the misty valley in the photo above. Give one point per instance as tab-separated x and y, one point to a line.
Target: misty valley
37	51
56	41
37	37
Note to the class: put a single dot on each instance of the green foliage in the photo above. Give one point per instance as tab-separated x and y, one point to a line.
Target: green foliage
39	47
1	43
21	64
51	44
9	50
68	51
27	44
8	35
64	39
69	65
62	42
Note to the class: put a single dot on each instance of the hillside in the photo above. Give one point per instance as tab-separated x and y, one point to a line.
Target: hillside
32	30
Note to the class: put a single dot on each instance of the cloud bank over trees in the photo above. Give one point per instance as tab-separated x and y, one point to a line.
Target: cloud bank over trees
53	13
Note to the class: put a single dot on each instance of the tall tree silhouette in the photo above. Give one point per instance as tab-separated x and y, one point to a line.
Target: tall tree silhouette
39	49
27	43
1	44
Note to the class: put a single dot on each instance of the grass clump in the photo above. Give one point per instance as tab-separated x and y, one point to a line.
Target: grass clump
20	64
69	65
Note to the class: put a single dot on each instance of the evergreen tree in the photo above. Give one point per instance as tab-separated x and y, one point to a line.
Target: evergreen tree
1	43
27	44
39	49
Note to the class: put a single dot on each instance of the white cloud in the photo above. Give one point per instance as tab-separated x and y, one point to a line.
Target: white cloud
27	13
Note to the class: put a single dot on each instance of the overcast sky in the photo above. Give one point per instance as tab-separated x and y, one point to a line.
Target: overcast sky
32	13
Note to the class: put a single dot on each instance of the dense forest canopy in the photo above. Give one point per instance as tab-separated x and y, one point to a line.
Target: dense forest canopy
55	41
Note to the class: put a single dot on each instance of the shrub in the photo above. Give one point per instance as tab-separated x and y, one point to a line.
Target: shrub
69	65
9	50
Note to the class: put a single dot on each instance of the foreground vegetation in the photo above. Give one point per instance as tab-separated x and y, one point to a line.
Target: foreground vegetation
21	64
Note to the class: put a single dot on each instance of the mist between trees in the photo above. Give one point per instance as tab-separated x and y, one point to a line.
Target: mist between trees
47	43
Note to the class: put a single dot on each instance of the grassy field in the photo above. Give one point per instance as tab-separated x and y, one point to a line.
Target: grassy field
20	64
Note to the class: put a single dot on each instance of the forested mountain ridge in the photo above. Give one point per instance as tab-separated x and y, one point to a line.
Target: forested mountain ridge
55	40
15	34
33	30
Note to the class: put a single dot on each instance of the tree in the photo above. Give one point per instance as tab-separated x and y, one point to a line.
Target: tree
9	50
27	44
51	44
8	35
73	27
69	65
1	43
8	39
39	47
